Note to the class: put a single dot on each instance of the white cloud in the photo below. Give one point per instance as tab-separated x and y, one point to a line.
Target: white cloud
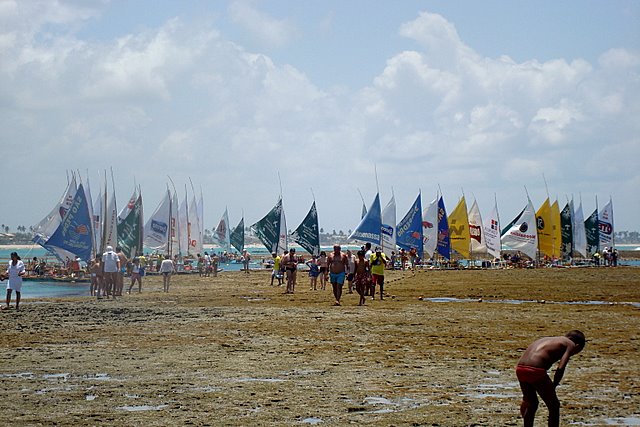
268	31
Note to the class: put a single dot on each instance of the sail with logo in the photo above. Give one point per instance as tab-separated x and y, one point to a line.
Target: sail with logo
222	232
444	242
430	228
130	226
476	235
73	235
521	234
157	230
307	234
409	230
459	229
269	229
370	226
388	228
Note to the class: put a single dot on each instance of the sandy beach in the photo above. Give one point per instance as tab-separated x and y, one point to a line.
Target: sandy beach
233	350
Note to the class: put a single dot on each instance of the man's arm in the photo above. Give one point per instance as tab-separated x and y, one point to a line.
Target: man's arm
557	377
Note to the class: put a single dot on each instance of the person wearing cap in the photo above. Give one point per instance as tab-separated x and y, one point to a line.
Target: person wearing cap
275	272
111	268
338	265
377	262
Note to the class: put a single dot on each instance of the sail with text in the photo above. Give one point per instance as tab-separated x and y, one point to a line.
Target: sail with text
605	224
307	234
236	237
183	226
459	229
131	228
370	226
49	224
592	232
222	233
430	228
522	235
388	227
110	225
158	227
476	234
268	229
491	228
409	230
444	243
544	224
73	235
579	233
195	239
566	230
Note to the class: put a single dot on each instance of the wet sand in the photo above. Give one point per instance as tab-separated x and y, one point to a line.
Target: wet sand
232	350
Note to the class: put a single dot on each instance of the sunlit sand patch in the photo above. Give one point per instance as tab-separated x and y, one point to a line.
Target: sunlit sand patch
142	408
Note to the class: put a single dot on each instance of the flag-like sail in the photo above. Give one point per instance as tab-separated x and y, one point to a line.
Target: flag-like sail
522	235
110	235
130	229
236	237
605	224
74	233
579	233
430	228
459	229
223	232
50	223
369	228
476	234
388	227
268	228
592	232
544	224
409	230
158	227
491	227
307	234
566	229
444	243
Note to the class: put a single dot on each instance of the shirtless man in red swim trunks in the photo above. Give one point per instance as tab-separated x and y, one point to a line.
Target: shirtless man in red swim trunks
532	373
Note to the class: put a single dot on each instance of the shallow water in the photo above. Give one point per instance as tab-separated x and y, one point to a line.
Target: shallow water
142	408
517	301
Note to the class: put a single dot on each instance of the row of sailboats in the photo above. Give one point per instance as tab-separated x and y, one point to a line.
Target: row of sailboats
464	234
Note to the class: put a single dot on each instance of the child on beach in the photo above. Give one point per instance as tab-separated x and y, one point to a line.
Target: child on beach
314	272
532	373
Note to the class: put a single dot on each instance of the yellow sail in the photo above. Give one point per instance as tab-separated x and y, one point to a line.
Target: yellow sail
544	223
459	229
556	232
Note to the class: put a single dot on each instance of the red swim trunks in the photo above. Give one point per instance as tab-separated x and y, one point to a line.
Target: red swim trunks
531	375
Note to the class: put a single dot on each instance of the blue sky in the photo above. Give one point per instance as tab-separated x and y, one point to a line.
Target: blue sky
481	97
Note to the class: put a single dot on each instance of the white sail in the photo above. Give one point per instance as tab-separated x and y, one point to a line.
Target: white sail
491	228
605	224
49	224
174	226
98	218
183	227
195	242
283	243
523	234
201	220
430	228
388	228
476	232
111	223
579	232
158	226
124	212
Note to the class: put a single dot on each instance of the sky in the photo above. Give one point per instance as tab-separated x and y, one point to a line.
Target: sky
322	100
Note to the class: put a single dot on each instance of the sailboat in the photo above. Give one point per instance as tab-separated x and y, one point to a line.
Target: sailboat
409	229
271	229
307	234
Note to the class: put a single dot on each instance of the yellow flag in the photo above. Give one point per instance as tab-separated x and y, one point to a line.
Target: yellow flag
556	231
459	229
545	229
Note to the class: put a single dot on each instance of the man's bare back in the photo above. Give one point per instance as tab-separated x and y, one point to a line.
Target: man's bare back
544	352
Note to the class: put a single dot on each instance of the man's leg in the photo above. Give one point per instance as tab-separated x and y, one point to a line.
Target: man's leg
529	404
547	392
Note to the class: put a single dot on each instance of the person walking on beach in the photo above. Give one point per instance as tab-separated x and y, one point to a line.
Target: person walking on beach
110	268
121	271
362	277
167	268
351	270
215	260
322	263
96	275
136	276
377	262
338	265
14	273
275	272
532	373
246	258
290	263
314	272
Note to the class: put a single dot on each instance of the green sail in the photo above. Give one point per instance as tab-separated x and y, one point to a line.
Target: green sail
566	231
268	228
593	233
130	230
307	234
237	236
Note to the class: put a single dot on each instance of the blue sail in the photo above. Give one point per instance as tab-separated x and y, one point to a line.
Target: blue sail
369	228
74	233
444	243
409	230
